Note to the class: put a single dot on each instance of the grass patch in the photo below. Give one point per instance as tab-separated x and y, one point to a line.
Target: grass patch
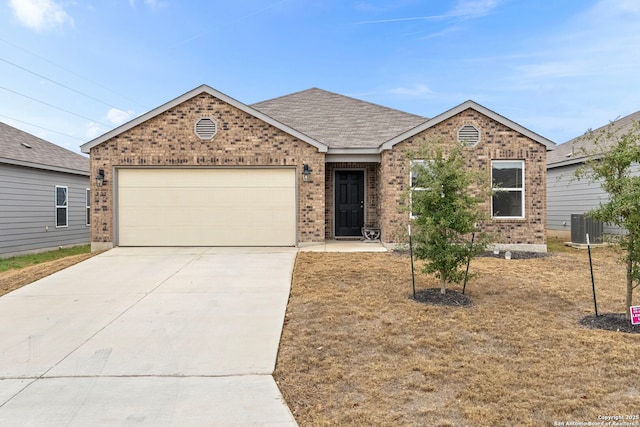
357	350
555	245
23	261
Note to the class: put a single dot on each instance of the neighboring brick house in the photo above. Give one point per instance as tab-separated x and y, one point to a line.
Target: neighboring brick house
208	170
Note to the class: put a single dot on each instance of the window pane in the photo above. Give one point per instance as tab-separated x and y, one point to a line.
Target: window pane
507	203
61	217
507	175
88	207
61	196
415	164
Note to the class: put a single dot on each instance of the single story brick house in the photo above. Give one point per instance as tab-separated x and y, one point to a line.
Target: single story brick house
207	170
44	194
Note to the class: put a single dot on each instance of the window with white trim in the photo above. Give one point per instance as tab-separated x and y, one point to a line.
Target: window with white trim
62	206
88	207
415	164
507	183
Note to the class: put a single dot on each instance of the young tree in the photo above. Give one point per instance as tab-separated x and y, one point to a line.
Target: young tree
611	163
445	202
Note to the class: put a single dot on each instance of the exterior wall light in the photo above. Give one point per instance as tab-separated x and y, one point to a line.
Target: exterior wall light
100	178
306	173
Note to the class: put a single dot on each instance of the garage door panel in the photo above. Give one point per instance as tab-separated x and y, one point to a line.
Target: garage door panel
206	207
191	178
204	217
207	197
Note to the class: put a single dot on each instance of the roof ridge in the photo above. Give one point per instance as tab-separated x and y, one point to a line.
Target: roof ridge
352	98
283	96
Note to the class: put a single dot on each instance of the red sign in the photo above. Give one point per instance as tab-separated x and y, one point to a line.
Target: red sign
635	314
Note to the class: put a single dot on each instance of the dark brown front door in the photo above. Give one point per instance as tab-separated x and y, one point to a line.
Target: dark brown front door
349	203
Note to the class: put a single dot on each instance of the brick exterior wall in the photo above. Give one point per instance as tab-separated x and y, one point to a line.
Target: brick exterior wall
497	142
169	140
371	194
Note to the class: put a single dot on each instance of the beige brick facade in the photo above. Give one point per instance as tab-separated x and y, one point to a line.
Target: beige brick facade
498	142
168	140
249	139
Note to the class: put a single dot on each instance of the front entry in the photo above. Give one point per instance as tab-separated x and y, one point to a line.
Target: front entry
349	203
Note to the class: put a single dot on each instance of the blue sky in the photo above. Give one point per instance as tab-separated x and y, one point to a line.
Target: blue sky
79	68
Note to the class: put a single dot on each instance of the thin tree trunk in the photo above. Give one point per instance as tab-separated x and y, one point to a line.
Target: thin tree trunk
443	283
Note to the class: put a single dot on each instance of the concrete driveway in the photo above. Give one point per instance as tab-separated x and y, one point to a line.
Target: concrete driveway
149	337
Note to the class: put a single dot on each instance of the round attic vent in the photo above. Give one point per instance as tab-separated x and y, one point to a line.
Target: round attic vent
206	128
468	135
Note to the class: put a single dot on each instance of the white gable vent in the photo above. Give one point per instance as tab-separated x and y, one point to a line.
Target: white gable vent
468	135
206	128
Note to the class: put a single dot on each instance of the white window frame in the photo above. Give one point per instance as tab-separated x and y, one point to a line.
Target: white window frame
88	210
64	206
499	189
412	176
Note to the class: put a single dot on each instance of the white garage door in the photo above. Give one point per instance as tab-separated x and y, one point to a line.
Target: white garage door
206	207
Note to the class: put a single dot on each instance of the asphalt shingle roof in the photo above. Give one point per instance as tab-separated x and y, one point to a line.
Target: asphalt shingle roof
572	151
16	145
338	121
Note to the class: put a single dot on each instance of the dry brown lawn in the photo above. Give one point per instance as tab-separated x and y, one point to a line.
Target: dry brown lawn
356	350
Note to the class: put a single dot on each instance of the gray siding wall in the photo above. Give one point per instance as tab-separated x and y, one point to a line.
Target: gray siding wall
566	195
28	211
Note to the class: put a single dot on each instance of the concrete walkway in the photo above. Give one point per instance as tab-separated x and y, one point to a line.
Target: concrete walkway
148	337
344	246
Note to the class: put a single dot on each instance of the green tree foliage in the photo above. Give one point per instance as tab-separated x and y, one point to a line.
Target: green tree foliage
611	164
446	198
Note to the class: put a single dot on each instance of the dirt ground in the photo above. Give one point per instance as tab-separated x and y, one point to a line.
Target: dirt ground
11	280
357	350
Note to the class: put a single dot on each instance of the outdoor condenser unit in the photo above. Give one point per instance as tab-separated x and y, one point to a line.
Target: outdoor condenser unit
581	225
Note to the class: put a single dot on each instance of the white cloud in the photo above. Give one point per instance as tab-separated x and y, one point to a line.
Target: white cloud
153	4
40	14
463	9
473	8
598	43
94	130
118	117
417	90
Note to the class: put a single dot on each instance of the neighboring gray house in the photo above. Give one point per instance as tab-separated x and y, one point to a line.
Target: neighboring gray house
565	194
44	194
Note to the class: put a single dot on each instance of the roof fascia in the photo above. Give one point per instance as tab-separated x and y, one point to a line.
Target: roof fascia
43	167
567	162
352	158
354	150
191	94
457	110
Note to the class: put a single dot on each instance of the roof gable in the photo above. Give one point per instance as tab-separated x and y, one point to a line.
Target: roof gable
460	108
339	121
23	149
573	151
191	94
